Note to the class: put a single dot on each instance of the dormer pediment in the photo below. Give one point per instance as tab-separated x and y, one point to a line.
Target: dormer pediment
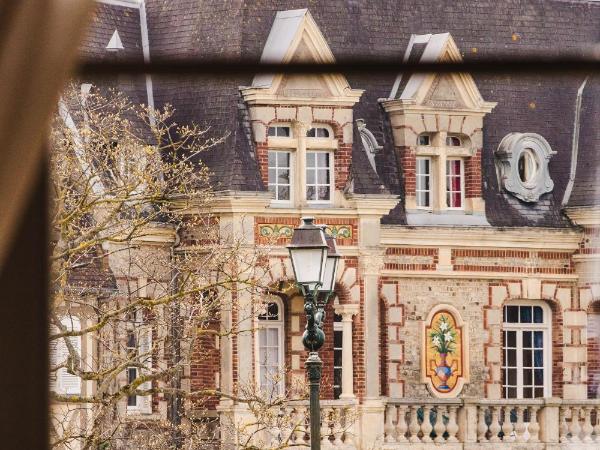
295	37
453	92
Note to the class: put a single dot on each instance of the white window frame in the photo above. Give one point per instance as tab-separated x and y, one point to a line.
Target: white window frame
429	136
278	325
337	328
143	335
462	184
61	381
331	177
546	327
280	125
430	176
291	169
322	126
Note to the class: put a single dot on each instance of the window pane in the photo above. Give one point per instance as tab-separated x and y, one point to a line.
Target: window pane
511	338
538	358
527	377
511	357
511	314
284	177
283	193
311	193
272	159
324	193
272	175
512	377
283	159
539	392
310	133
526	314
272	131
538	376
527	339
527	392
527	358
262	338
283	131
538	314
310	159
272	336
322	159
323	132
337	339
337	358
511	393
538	339
273	311
310	177
323	176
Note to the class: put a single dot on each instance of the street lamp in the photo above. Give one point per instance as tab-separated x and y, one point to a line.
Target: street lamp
314	261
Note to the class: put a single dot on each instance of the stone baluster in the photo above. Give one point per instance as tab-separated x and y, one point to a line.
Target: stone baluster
495	425
452	426
564	428
481	425
389	428
326	428
574	427
520	425
414	427
300	425
426	427
505	425
534	426
597	425
401	426
349	418
337	428
439	427
587	428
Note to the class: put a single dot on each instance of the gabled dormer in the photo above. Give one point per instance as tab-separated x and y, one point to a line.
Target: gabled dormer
302	124
437	120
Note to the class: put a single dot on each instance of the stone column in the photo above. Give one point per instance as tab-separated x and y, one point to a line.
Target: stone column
372	408
347	312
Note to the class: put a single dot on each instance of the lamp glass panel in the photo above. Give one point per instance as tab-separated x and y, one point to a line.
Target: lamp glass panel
329	275
308	264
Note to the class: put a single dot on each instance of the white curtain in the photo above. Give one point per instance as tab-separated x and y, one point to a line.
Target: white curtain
38	48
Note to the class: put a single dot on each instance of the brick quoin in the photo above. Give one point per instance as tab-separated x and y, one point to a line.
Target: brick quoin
593	350
473	175
205	363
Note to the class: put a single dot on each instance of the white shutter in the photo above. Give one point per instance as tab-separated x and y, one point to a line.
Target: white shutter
144	402
67	383
53	356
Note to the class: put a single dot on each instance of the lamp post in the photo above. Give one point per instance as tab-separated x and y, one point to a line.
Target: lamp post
314	261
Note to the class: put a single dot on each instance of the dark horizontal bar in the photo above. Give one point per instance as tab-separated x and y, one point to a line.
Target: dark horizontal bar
502	66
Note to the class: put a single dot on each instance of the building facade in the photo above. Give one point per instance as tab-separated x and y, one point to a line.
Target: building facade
467	306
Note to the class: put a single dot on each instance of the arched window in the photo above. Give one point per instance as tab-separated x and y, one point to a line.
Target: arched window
318	132
270	349
527	350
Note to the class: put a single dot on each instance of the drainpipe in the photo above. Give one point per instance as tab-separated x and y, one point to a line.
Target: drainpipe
575	145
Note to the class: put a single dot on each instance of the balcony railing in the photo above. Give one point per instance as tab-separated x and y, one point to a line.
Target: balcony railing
508	423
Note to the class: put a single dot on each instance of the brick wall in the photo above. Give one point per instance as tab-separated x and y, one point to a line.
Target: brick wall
205	364
473	175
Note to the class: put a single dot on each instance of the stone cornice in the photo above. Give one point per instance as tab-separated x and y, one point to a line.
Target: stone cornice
478	237
398	106
586	215
263	96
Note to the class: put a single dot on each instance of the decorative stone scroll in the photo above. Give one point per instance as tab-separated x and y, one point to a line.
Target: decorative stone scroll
445	365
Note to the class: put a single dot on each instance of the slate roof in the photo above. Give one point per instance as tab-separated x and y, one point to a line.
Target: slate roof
382	29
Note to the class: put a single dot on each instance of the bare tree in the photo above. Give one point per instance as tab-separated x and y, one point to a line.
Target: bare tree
141	277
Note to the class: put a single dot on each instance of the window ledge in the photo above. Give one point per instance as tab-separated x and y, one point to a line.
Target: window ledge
448	218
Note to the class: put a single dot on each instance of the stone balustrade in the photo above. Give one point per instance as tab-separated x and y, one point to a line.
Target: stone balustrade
338	419
474	424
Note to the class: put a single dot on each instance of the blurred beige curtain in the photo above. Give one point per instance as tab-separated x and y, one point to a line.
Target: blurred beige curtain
38	47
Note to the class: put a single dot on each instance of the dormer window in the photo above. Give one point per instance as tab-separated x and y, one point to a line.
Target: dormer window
424	139
318	176
318	132
453	141
454	183
280	131
280	175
